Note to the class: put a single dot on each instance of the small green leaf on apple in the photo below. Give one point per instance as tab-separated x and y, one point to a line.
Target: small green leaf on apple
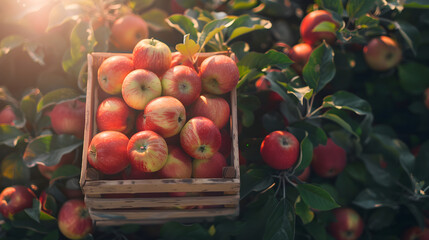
325	26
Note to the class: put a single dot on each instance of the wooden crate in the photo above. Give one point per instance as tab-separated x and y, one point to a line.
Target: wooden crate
219	196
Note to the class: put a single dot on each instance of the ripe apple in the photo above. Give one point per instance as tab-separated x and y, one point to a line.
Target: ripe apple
178	59
112	72
280	150
127	31
219	74
165	115
178	165
311	21
183	83
7	115
209	168
113	114
212	107
107	152
140	122
348	224
15	199
382	53
300	53
139	87
147	151
273	99
152	55
427	98
74	220
416	233
226	143
69	118
328	160
200	138
47	171
305	174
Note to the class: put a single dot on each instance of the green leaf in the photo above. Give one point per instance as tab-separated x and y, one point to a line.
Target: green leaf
212	28
28	105
303	211
9	135
409	33
325	26
183	24
155	18
381	218
316	197
263	60
34	212
53	235
65	171
57	96
13	169
317	230
48	149
306	154
10	42
340	121
35	51
416	4
243	4
62	13
348	101
281	222
245	24
413	77
367	22
175	230
255	180
141	4
369	199
417	213
320	68
316	134
358	8
301	93
333	5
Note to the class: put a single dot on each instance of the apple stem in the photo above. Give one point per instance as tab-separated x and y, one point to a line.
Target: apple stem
152	42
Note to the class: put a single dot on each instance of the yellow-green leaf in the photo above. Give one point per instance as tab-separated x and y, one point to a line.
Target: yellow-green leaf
325	27
188	48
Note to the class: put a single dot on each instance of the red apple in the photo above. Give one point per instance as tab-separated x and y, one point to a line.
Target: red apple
348	224
200	138
165	115
176	7
107	152
74	220
147	151
140	122
112	72
152	55
178	59
139	87
328	160
300	53
69	118
382	53
179	164
15	199
226	143
427	98
183	83
219	74
47	171
113	114
280	150
305	174
209	168
127	31
311	21
212	107
7	115
416	233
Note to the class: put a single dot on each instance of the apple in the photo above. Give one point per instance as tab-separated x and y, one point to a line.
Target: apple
219	74
7	115
328	160
147	151
69	118
280	150
209	168
48	203
348	224
113	114
300	53
212	107
47	171
226	143
200	138
178	59
176	7
305	174
416	233
74	220
178	165
112	72
311	21
140	121
107	152
15	199
139	87
382	53
427	98
164	115
127	31
183	83
273	99
152	55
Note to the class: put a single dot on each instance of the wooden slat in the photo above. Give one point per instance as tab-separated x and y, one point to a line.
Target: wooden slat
118	215
162	185
234	134
154	221
111	203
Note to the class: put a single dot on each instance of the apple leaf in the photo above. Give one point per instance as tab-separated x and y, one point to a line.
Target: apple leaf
315	134
347	101
255	180
245	24
263	60
13	169
243	4
48	149
370	199
10	42
28	104
65	171
334	5
188	48
155	19
62	13
9	135
52	235
333	116
281	222
358	8
183	24
305	156
413	77
325	26
303	211
212	28
320	68
422	4
316	197
34	212
139	5
57	96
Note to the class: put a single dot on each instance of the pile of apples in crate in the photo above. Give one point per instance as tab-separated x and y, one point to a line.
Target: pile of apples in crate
164	116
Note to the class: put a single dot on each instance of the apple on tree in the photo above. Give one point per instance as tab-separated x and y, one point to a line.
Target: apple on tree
328	160
113	114
280	150
14	199
152	55
212	107
416	233
300	53
69	118
7	115
74	220
140	87
112	72
317	26
382	53
127	31
209	168
183	83
219	74
348	224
